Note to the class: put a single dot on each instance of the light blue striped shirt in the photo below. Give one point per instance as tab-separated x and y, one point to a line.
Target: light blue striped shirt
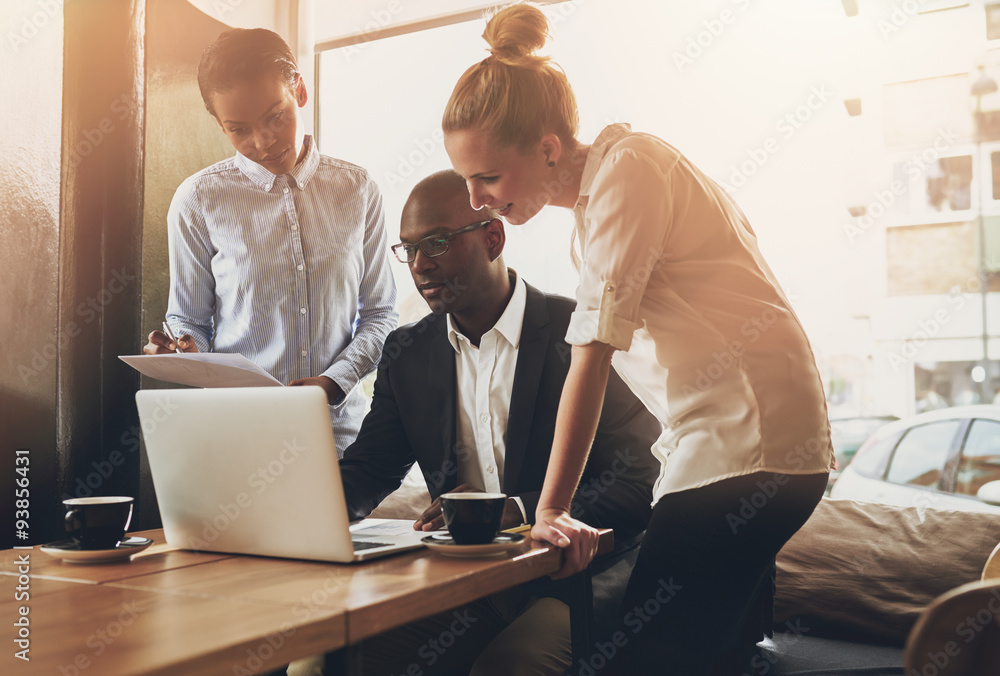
290	271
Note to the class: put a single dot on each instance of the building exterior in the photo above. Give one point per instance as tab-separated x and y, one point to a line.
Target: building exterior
926	173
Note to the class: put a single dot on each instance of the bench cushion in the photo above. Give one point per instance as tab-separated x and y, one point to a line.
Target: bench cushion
863	571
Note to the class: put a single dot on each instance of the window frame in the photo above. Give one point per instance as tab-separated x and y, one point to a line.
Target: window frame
976	187
357	38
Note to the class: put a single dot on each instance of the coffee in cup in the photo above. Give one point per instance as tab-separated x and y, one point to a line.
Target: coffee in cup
98	522
473	518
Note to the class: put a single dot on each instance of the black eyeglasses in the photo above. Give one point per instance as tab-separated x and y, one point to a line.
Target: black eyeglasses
432	245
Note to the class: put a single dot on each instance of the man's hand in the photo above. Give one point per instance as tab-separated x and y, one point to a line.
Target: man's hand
433	519
577	538
159	343
334	394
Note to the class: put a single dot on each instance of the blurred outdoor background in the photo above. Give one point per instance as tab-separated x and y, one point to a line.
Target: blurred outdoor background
849	140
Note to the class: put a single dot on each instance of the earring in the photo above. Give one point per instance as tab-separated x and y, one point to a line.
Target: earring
551	163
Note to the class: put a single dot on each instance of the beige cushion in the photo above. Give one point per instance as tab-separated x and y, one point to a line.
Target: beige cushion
865	571
406	502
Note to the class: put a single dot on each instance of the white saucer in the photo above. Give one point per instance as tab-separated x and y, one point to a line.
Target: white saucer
442	543
70	552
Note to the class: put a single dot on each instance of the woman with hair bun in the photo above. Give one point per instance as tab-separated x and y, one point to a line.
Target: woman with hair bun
675	294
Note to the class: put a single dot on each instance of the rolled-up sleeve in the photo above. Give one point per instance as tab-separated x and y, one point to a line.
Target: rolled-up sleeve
625	227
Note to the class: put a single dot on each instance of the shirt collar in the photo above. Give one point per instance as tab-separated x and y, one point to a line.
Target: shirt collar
608	137
299	175
510	322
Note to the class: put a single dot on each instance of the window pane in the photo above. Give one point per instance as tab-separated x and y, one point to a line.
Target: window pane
870	462
942	102
940	186
930	259
980	457
921	454
949	182
993	22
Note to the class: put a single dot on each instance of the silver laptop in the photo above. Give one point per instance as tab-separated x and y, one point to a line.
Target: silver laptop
254	471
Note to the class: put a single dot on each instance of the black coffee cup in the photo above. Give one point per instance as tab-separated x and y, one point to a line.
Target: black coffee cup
98	523
473	518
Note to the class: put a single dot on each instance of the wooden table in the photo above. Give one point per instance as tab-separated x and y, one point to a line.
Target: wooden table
172	612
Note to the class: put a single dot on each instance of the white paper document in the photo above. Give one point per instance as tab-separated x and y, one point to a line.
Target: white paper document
202	369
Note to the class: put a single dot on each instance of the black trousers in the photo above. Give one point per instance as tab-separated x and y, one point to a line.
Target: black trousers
701	593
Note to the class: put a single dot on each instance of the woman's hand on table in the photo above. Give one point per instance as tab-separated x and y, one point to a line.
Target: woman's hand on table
578	539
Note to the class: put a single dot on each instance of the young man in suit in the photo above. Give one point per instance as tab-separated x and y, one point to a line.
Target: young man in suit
470	392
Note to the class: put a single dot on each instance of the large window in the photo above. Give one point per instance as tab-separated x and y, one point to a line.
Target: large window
381	108
733	100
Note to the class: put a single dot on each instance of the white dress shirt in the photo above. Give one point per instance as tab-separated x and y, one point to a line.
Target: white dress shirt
290	271
484	379
671	276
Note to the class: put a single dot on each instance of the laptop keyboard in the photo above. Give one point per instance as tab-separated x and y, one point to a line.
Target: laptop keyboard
368	544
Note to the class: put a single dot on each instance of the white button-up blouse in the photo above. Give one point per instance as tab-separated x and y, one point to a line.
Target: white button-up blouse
671	276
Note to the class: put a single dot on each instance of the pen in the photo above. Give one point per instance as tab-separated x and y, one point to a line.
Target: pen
170	335
519	529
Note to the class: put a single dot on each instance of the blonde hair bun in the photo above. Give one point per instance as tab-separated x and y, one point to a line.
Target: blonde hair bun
515	95
516	32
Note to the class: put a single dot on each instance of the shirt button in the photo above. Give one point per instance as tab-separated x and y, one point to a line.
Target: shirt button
285	191
485	418
302	310
299	267
294	227
305	353
491	469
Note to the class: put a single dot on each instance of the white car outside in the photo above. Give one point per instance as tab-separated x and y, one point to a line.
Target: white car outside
945	459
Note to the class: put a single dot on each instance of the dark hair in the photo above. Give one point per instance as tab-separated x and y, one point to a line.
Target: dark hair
241	55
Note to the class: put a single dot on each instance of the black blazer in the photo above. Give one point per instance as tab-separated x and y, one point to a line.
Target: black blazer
413	414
